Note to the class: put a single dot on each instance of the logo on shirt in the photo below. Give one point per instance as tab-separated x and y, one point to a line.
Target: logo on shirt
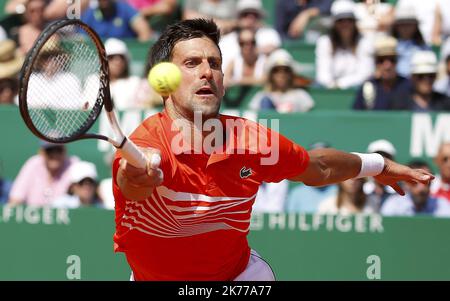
245	172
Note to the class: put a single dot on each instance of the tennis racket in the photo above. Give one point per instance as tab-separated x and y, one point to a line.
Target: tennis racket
64	83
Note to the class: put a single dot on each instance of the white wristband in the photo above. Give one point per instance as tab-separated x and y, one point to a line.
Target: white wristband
371	165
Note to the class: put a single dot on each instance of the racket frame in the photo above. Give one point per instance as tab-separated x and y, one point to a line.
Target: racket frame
128	149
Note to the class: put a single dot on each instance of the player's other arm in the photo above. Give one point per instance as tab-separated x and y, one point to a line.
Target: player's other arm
137	184
329	166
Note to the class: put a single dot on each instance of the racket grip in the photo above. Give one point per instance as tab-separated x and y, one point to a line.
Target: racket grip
133	154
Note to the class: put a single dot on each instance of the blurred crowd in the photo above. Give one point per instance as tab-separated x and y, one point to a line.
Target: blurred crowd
394	54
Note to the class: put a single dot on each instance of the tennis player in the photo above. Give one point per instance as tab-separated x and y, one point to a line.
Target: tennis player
187	215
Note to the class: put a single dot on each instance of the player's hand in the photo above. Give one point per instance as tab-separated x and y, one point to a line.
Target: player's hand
138	183
393	173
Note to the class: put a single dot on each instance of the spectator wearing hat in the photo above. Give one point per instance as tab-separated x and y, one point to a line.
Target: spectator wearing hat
222	11
425	13
293	16
440	187
48	72
374	190
344	58
250	15
280	93
423	98
44	177
406	30
417	201
248	67
11	61
378	92
123	85
117	19
82	191
306	199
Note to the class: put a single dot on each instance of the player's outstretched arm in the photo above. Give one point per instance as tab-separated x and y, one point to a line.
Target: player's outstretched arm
329	166
137	184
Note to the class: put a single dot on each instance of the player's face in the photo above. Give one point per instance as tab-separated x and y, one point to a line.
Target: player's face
201	88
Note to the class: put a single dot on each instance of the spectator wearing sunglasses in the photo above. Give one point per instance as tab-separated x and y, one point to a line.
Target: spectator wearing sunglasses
440	186
248	67
44	177
250	15
423	98
378	92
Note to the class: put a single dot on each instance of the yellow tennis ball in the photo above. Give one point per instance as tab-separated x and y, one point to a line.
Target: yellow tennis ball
164	78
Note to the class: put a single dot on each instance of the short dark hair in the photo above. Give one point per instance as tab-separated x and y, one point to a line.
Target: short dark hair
415	164
182	31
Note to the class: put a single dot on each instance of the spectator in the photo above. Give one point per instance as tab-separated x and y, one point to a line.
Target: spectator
441	26
350	199
425	12
248	67
11	61
33	26
250	16
146	96
440	187
49	72
83	187
117	19
378	92
153	11
417	200
280	93
376	191
271	197
222	11
343	58
44	177
55	9
406	30
306	199
293	16
423	98
442	85
374	17
5	187
123	86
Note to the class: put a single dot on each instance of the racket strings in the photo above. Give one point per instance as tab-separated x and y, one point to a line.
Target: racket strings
64	82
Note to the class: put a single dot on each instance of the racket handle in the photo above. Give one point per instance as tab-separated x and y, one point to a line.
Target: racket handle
133	154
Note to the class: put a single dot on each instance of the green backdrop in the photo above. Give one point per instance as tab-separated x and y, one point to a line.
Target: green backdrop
36	244
414	135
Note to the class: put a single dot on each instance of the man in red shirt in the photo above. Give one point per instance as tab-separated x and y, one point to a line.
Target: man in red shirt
187	215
